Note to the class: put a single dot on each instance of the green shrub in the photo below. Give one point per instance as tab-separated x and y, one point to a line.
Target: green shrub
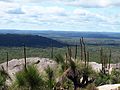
3	77
50	78
29	79
115	76
102	79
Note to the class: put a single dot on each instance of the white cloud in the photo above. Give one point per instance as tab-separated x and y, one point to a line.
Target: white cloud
44	10
90	3
82	3
94	3
4	6
58	16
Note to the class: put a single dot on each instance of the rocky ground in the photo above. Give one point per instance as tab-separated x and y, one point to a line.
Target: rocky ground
109	87
16	65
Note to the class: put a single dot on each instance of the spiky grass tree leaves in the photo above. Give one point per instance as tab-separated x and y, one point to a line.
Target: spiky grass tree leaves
115	76
29	79
20	79
61	60
50	76
33	77
112	78
102	79
3	77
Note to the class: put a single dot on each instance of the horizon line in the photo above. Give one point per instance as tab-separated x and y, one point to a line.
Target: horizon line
58	30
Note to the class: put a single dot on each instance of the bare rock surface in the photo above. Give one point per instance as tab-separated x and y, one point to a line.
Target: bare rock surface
97	67
109	87
16	65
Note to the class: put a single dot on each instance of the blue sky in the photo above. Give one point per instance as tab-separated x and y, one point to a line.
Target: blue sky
65	15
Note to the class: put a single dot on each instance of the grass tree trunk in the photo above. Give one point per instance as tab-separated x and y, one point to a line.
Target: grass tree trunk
25	57
101	57
75	51
69	52
75	86
109	59
88	59
66	58
7	61
81	48
84	47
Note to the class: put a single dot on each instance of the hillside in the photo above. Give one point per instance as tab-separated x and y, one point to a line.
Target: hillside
91	38
64	34
16	40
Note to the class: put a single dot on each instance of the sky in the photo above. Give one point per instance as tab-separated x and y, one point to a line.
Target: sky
64	15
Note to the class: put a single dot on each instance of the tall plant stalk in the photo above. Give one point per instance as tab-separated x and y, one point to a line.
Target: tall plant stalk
101	57
25	57
109	59
66	58
81	48
88	59
7	61
84	47
75	51
69	52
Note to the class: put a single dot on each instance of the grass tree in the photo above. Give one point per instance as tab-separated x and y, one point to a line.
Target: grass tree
29	79
79	73
50	76
3	77
61	61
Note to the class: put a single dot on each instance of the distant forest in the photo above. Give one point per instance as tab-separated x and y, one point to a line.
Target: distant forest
16	40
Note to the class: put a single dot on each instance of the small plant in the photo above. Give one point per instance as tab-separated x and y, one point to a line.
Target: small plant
3	77
102	79
62	61
29	79
50	76
115	76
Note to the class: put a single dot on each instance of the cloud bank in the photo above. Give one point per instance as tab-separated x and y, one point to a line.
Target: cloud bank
79	15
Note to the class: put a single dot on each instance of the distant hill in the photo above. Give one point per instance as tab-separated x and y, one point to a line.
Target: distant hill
71	37
17	40
64	34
